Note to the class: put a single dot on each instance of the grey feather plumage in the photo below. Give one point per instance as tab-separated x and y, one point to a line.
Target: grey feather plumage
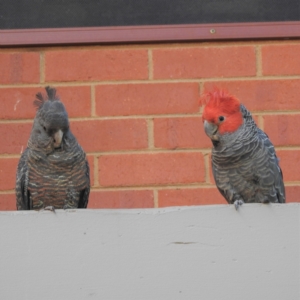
49	174
245	165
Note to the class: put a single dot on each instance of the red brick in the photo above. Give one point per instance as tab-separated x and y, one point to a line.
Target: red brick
90	159
8	202
121	199
292	193
19	67
91	65
107	135
263	95
204	62
14	137
8	170
150	169
289	163
182	197
283	130
172	133
17	103
146	99
280	60
77	100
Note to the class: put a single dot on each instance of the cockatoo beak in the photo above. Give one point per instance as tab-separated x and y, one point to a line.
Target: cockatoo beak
58	138
211	130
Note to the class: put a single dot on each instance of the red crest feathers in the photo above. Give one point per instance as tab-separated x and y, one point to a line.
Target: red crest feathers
220	103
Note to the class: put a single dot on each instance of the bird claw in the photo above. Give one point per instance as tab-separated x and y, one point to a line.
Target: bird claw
51	208
238	203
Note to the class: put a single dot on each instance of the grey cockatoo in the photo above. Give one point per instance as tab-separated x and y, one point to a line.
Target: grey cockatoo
53	171
244	162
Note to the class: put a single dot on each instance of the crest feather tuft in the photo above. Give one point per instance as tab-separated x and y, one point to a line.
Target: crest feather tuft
41	99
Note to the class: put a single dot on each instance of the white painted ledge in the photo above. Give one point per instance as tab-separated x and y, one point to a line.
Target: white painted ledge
206	252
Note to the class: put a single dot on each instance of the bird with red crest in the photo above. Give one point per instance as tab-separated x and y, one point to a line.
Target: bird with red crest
244	163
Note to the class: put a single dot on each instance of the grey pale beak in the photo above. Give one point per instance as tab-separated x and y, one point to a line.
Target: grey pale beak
211	130
58	138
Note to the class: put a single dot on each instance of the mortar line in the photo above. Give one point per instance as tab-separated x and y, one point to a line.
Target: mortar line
153	151
150	64
178	115
203	151
42	67
155	198
154	187
7	156
7	192
183	115
131	152
201	91
272	113
287	148
103	118
201	88
207	168
93	101
150	131
261	123
96	173
258	61
292	183
156	81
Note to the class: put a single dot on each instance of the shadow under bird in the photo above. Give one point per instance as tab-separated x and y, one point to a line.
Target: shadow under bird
53	172
244	163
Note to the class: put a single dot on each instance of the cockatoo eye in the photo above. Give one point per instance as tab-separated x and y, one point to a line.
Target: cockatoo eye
221	118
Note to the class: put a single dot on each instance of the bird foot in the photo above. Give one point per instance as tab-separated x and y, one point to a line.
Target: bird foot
51	208
238	203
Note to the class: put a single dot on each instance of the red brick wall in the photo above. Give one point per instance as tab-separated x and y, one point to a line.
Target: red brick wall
134	109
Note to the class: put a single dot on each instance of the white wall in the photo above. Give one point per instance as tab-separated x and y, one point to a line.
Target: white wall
207	252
